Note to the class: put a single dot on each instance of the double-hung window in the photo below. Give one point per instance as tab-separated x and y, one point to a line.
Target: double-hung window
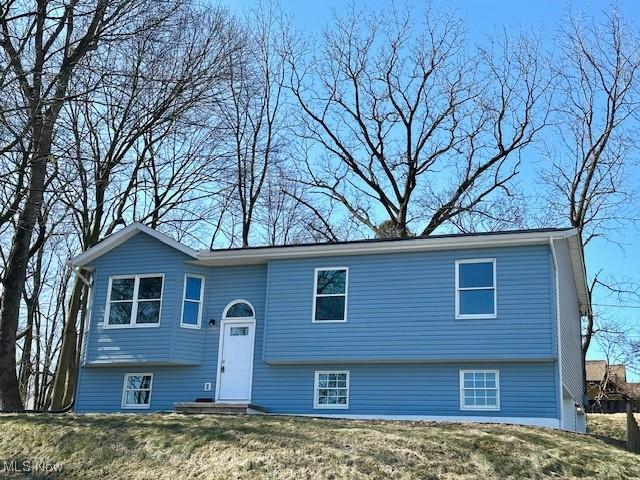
476	288
330	294
134	301
331	389
136	392
479	390
192	301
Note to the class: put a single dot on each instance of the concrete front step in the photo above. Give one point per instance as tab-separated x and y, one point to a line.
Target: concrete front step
217	408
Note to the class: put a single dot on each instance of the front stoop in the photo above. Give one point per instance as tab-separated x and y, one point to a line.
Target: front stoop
218	408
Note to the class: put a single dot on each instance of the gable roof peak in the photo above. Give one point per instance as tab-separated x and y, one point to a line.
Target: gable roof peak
115	239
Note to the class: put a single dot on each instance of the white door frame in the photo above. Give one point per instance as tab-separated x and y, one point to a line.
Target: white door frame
230	321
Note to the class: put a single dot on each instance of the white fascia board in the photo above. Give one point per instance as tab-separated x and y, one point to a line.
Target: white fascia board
118	238
263	255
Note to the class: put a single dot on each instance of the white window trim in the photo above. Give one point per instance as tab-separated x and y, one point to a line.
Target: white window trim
124	403
134	308
480	407
460	316
316	294
316	384
232	303
200	302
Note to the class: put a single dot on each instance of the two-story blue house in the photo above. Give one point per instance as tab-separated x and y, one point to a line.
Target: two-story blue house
475	327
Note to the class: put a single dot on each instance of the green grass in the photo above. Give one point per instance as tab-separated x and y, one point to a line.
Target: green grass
250	447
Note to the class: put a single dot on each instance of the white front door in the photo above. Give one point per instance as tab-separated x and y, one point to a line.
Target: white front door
235	361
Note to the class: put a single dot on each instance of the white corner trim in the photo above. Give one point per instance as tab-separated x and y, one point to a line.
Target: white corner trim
474	316
558	329
118	238
530	421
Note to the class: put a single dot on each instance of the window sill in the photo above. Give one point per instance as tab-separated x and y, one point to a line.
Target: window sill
130	326
329	321
476	317
189	327
331	407
479	409
136	407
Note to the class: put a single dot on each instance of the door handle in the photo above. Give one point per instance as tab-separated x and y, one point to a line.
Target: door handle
222	369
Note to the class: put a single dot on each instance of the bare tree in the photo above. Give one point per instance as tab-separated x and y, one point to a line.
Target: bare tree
254	113
140	144
287	216
592	152
411	128
45	271
42	42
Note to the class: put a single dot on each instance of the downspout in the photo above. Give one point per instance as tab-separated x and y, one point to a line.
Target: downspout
69	407
558	330
84	279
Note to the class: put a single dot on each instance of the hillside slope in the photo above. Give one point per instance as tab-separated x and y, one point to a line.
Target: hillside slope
220	447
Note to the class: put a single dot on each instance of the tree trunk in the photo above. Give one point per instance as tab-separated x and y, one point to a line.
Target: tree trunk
26	365
246	228
70	387
586	343
15	274
65	372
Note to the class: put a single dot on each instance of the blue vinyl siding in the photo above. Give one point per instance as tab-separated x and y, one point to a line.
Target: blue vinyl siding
100	388
401	342
139	255
526	390
401	307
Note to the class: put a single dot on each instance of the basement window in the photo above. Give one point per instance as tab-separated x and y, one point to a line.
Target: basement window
479	390
137	390
331	389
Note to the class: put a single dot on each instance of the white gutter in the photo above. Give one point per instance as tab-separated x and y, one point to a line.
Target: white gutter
559	332
263	255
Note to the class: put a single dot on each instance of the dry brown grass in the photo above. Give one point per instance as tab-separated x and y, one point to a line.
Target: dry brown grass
611	425
251	447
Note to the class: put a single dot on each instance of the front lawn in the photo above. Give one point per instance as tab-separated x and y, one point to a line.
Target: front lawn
250	447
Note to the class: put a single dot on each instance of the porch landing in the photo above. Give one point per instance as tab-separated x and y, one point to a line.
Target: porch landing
218	408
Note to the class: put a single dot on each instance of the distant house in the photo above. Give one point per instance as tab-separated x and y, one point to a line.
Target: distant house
471	327
607	388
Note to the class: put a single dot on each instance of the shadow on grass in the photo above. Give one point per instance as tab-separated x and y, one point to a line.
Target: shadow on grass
615	442
130	427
